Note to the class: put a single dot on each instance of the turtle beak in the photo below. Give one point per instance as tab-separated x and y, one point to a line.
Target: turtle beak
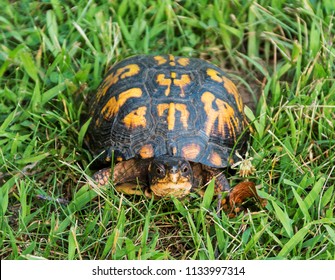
174	177
174	174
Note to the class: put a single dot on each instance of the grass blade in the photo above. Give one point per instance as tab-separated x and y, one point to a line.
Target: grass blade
302	207
82	132
293	242
51	93
283	218
29	64
208	196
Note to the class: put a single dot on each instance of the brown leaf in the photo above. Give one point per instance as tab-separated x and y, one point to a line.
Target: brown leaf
243	196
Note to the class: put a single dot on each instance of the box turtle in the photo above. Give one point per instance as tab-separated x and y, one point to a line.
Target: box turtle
170	124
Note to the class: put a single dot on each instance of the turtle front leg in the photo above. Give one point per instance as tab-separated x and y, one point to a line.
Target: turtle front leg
204	174
129	177
102	176
221	185
221	182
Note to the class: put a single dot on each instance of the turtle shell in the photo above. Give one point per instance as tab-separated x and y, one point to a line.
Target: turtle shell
148	106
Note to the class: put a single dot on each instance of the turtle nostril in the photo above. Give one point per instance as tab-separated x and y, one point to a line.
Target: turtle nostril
174	170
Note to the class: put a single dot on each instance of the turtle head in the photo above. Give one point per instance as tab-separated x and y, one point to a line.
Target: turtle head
170	175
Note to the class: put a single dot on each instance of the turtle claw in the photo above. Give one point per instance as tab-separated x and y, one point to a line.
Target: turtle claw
243	196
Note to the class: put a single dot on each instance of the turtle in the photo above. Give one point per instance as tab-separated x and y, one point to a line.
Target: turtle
170	124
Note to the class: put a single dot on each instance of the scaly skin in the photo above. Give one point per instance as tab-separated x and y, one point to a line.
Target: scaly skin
102	176
131	177
130	171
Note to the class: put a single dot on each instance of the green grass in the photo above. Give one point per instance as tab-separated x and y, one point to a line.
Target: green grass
54	55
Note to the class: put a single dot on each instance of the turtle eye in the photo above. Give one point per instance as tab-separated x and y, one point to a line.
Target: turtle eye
185	168
160	170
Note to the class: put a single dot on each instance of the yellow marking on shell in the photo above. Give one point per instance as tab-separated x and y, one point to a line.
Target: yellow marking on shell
119	159
215	159
228	85
161	108
147	151
224	114
113	106
171	116
128	71
214	75
183	81
136	118
97	122
172	61
226	118
161	80
207	98
232	89
190	151
121	73
183	61
160	59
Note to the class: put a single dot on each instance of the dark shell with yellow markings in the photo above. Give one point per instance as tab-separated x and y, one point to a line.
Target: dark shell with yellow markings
148	106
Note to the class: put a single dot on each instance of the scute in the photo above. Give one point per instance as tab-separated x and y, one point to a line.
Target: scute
148	106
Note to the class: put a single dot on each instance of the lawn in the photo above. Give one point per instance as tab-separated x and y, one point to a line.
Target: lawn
53	56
